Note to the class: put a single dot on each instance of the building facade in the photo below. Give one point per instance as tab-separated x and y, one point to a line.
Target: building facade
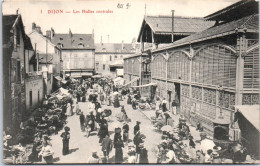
155	32
34	85
109	57
78	53
14	70
212	71
46	59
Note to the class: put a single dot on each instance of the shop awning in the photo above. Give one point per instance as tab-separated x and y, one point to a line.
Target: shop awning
146	85
135	79
251	113
76	76
86	74
58	78
96	76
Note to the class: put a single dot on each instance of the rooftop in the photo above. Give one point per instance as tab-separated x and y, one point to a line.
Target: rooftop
235	11
182	25
73	41
115	47
250	23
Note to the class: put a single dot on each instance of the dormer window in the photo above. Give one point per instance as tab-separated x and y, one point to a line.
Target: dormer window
80	45
80	39
61	38
60	45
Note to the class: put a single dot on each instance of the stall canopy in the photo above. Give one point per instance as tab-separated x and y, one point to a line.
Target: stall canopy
58	78
119	80
64	91
86	74
64	81
251	113
146	85
135	79
96	76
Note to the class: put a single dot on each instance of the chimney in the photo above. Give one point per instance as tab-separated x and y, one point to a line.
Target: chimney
93	33
38	29
33	26
172	26
133	43
101	40
122	45
107	38
70	33
48	34
52	32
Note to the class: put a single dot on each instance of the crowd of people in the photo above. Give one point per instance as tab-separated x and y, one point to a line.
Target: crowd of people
176	145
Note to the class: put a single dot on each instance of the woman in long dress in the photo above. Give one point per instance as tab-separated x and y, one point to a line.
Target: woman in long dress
65	139
118	145
68	111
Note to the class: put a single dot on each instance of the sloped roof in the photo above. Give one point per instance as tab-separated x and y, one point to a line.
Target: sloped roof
251	23
182	25
28	43
235	11
114	48
8	22
42	59
72	41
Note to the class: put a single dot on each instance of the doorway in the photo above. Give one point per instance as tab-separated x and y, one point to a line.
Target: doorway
169	98
221	131
177	96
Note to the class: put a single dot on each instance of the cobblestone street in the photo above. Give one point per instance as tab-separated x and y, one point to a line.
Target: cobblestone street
81	147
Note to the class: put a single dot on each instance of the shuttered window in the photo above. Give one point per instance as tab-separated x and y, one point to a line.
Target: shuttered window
214	65
251	69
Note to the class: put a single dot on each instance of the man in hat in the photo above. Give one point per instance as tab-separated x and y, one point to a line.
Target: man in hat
92	117
82	120
137	141
65	139
107	145
164	105
143	154
137	127
94	159
125	132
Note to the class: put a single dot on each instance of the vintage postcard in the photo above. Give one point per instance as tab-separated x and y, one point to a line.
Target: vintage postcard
130	82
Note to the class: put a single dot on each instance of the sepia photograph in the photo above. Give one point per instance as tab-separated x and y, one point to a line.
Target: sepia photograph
130	82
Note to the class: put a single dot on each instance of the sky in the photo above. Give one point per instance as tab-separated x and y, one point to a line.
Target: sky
123	23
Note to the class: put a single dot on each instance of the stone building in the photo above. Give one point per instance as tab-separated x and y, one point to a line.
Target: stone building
47	59
78	53
14	70
109	57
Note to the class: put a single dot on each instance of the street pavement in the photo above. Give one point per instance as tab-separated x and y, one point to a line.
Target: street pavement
82	147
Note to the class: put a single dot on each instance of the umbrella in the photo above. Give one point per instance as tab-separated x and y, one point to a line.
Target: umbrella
167	128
